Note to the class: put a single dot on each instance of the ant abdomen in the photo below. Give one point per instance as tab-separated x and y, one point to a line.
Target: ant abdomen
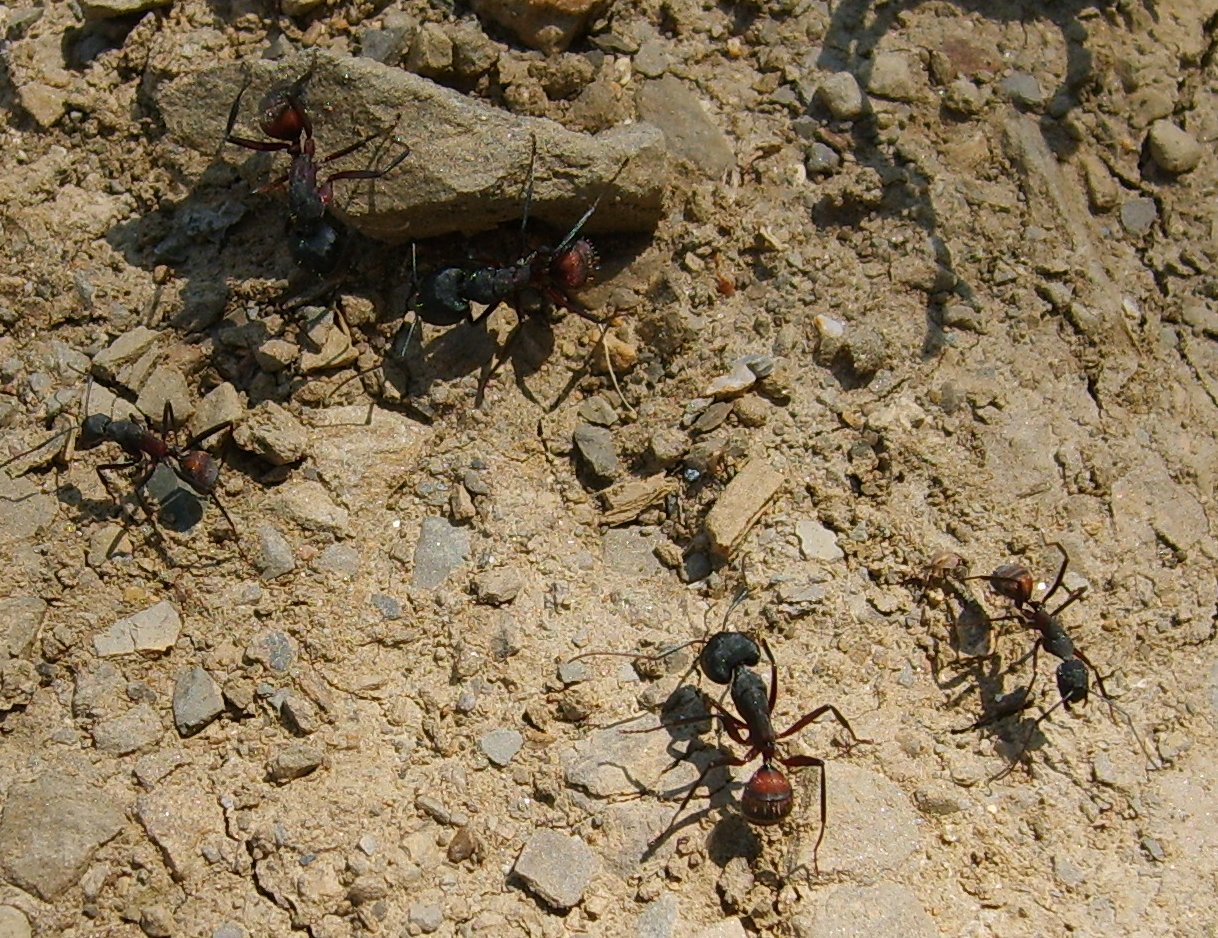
767	797
201	471
1014	581
1072	682
441	298
317	248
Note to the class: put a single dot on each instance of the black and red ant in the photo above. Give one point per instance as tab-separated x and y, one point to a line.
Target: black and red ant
768	798
1015	582
316	237
192	465
445	296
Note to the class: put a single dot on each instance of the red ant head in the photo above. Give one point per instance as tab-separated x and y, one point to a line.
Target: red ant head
767	797
200	471
283	115
574	267
1014	581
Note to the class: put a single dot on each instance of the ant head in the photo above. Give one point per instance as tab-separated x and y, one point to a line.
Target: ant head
1072	682
199	470
1014	581
573	267
317	248
724	652
93	431
767	797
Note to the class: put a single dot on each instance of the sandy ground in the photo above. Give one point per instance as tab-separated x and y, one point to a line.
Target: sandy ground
982	269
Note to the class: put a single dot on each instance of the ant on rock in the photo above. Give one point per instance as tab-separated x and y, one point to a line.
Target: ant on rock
1014	582
194	466
727	658
316	237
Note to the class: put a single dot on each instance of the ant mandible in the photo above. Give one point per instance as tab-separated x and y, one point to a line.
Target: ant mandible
1014	581
316	238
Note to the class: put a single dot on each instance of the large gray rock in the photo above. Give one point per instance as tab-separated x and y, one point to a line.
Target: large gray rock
468	163
51	828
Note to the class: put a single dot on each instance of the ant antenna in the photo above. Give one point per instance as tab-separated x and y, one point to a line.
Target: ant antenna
574	232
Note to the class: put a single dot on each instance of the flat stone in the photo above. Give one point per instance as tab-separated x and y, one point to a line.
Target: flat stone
152	630
339	559
271	433
467	158
274	355
628	499
196	701
631	551
556	868
272	649
841	96
308	504
741	505
872	826
166	385
1023	89
122	351
20	621
296	713
598	411
597	453
138	728
821	160
501	745
389	607
295	762
882	909
441	549
221	405
892	76
104	9
689	132
179	822
108	542
51	828
816	542
13	923
1138	215
1174	150
659	918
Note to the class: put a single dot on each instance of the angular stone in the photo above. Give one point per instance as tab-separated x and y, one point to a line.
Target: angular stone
688	130
122	351
556	867
166	385
138	728
841	96
20	619
295	762
178	821
467	158
741	505
816	542
222	404
548	25
152	630
273	434
441	549
497	587
501	745
51	828
597	453
1174	150
309	505
196	701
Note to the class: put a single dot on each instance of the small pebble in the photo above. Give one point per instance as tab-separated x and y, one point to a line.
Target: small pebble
500	746
1173	150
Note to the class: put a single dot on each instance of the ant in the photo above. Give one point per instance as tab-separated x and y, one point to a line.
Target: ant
194	466
445	296
1014	581
316	239
768	798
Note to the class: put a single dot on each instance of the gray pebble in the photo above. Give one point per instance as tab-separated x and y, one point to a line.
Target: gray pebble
154	629
441	549
295	762
500	746
1023	89
274	355
431	52
475	482
821	160
426	917
659	918
556	867
309	505
222	404
712	418
892	76
841	96
667	447
296	713
271	433
339	559
274	556
271	649
964	97
388	607
688	130
816	542
461	506
1173	150
597	453
572	672
1138	215
652	59
125	349
196	701
598	411
138	728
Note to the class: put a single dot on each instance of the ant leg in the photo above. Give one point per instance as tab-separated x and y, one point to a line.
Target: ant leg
264	146
718	764
1023	747
194	441
1061	572
796	762
773	673
1077	594
819	711
528	195
574	232
105	468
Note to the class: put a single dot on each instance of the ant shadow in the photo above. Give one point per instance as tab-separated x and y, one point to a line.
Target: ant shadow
970	628
855	31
